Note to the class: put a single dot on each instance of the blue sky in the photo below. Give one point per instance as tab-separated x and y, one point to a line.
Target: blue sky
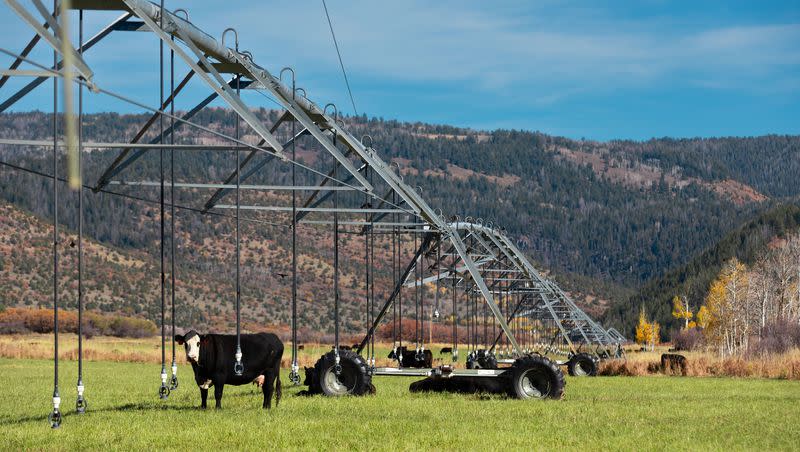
599	70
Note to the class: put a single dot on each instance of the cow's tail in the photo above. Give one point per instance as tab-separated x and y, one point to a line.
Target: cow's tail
278	390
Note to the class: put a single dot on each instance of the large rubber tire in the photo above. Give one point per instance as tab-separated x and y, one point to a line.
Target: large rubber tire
536	377
582	365
353	379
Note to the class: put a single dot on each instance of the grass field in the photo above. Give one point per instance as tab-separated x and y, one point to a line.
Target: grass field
619	413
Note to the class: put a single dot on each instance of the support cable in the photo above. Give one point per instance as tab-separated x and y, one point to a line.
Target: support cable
339	54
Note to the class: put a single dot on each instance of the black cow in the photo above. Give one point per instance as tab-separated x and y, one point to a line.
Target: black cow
446	350
411	358
461	385
673	363
212	358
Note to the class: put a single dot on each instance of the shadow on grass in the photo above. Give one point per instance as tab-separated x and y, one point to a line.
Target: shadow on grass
140	406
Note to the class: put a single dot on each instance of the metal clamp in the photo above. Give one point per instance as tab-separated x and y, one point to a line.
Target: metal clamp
294	374
55	416
173	381
80	402
238	367
364	137
337	368
335	111
280	77
163	391
235	35
181	10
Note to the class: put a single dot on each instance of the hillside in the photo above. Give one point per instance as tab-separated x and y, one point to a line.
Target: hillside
602	218
747	243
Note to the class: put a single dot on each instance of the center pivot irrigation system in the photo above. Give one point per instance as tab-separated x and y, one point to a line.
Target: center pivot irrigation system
514	317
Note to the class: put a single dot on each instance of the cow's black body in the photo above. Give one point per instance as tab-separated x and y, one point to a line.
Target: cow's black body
261	356
411	358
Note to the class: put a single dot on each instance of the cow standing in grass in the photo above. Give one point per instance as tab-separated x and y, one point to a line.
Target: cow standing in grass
212	358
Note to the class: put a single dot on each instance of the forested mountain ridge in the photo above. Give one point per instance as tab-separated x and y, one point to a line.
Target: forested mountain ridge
603	218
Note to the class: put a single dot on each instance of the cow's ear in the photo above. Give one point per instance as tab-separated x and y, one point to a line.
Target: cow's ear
179	339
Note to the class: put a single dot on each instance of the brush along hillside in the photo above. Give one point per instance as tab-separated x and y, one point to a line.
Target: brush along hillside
604	218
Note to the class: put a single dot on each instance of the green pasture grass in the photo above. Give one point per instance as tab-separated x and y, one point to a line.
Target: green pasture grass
617	413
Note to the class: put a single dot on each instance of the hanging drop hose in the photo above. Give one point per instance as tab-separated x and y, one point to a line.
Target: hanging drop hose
337	367
455	312
55	416
435	312
400	298
294	374
421	275
80	402
417	284
238	367
372	294
163	391
485	326
394	275
173	381
367	266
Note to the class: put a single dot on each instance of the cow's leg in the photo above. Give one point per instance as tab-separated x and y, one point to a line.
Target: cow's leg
218	393
203	397
269	382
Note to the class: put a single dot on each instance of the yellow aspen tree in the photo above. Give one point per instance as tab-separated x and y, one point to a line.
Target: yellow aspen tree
642	329
728	306
680	310
703	317
655	335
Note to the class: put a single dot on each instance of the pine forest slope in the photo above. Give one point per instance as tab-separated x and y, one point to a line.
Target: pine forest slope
602	218
746	243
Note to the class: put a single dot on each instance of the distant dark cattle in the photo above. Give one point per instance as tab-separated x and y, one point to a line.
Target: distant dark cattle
673	363
446	350
461	385
212	358
421	360
301	347
481	359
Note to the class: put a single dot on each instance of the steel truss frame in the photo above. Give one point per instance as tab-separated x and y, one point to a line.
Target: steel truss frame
474	258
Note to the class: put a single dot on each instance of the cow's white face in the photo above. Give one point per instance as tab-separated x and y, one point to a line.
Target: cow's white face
193	349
